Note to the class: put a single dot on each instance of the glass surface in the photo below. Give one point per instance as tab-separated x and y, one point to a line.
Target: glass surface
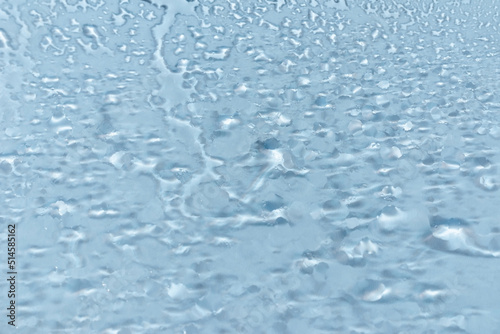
237	166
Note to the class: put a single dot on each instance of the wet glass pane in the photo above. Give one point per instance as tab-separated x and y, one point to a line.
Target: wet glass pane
237	166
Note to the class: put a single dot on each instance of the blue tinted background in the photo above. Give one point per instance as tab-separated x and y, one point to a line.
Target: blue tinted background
251	166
